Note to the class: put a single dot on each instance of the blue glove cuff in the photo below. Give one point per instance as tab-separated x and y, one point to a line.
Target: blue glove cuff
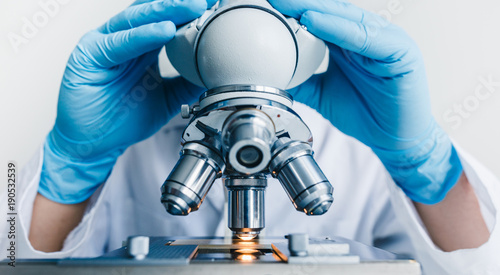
425	172
69	180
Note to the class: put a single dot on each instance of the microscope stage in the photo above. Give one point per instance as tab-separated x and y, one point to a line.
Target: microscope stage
218	255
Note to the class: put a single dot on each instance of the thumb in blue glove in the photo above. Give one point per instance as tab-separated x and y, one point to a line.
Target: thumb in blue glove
375	90
112	96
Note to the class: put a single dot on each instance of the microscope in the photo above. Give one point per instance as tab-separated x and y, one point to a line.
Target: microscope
246	54
243	129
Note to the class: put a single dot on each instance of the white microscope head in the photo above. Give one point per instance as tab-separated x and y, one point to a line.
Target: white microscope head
245	42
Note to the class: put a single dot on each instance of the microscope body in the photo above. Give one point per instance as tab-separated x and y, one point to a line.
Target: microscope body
243	129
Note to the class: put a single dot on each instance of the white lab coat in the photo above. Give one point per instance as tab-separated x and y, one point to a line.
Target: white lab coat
368	206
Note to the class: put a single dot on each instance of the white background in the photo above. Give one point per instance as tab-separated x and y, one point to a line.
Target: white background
460	41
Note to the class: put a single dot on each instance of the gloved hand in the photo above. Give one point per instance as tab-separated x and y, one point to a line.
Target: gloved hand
375	90
112	96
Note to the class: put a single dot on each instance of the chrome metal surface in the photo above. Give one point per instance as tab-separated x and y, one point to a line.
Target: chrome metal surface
246	88
299	174
247	136
246	205
285	120
189	182
245	132
207	101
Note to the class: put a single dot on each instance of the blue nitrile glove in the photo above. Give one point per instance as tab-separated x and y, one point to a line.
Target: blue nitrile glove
112	96
375	90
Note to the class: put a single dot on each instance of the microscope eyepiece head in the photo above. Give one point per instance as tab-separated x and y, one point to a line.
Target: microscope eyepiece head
246	45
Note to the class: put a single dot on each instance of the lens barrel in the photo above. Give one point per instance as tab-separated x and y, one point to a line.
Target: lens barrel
247	136
191	179
299	174
246	205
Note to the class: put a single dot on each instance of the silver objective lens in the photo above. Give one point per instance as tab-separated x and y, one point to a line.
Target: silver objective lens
246	205
299	174
247	137
193	175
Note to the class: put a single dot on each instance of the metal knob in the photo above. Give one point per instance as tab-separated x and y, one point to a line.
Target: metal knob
138	247
298	244
185	111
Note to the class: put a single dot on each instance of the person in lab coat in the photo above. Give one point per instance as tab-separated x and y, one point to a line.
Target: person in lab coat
400	183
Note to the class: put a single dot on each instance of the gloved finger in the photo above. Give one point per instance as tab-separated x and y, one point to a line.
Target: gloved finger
113	49
211	3
138	2
295	8
374	39
177	11
376	67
